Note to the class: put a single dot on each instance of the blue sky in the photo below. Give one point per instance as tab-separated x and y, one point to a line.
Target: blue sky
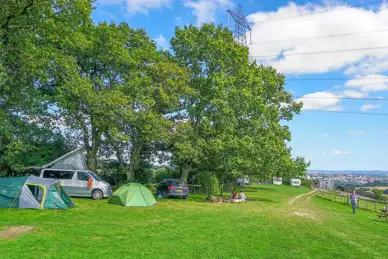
331	140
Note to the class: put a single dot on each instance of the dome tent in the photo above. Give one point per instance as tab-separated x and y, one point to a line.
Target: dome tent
133	195
31	192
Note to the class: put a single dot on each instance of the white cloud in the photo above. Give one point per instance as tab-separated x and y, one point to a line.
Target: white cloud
320	101
340	152
205	10
356	132
369	83
162	42
110	2
138	6
355	94
367	107
344	19
369	65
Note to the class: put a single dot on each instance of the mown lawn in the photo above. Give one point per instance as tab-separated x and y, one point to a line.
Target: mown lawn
268	227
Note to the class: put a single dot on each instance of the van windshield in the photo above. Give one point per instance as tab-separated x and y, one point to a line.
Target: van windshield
95	176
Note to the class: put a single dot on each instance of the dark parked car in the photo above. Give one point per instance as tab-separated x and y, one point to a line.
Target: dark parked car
173	188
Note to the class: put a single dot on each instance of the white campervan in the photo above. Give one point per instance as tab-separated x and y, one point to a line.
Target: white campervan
72	173
75	182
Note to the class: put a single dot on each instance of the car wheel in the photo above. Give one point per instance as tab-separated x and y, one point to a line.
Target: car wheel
97	195
184	197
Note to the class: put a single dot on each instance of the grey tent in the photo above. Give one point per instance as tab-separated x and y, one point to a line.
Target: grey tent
31	192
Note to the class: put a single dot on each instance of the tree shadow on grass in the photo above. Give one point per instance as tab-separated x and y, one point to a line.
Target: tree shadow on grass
257	189
378	220
260	199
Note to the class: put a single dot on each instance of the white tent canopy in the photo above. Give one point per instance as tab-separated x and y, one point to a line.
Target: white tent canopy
74	160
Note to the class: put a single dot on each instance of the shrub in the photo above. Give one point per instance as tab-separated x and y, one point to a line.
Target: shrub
307	182
209	182
378	194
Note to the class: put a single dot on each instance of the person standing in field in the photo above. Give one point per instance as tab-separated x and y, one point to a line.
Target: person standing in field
353	198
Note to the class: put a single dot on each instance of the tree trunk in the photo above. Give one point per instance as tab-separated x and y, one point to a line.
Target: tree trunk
135	159
92	150
91	159
186	169
119	154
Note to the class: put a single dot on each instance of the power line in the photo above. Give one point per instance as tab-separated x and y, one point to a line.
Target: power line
350	112
341	98
321	12
319	37
321	52
335	79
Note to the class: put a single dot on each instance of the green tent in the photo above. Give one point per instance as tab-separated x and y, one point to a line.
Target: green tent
133	195
31	192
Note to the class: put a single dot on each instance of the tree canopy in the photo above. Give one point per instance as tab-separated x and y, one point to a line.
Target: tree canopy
67	82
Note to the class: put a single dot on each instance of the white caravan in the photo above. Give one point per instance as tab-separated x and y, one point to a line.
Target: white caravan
295	182
277	181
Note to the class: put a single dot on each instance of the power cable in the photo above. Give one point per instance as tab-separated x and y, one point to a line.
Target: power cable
322	11
321	52
350	112
341	98
319	37
335	79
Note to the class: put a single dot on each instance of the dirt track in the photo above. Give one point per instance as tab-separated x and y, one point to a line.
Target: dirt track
300	196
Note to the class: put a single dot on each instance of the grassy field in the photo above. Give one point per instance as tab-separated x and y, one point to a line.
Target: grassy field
275	225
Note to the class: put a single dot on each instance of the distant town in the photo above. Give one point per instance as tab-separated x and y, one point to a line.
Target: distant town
356	178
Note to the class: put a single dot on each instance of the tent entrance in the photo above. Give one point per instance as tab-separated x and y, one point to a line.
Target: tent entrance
34	194
37	191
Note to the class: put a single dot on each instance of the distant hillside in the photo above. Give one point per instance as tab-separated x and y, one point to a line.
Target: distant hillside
358	172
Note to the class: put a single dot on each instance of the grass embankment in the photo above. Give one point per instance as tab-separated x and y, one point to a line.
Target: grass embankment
269	227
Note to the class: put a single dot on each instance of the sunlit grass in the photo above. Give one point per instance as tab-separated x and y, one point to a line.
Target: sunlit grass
266	227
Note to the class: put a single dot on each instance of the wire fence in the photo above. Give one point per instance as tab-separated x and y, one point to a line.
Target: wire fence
365	204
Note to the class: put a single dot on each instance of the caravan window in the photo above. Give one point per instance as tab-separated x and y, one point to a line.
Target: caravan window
55	174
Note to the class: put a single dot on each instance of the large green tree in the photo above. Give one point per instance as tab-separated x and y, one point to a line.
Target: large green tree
231	122
31	35
114	87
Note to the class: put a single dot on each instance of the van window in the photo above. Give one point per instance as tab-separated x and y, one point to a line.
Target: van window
83	176
55	174
95	176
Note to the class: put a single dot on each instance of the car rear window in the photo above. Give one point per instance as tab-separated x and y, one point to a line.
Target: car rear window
176	182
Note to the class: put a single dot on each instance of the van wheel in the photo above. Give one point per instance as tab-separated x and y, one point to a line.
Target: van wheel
97	195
